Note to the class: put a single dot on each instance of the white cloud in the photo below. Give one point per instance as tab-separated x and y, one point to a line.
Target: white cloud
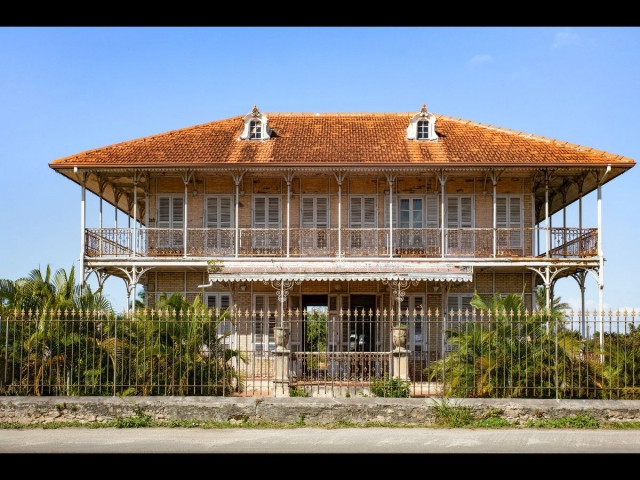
480	59
566	38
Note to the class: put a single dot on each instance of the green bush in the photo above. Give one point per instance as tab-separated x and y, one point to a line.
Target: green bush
392	388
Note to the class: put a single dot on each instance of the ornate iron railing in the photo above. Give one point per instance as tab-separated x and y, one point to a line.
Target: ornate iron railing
332	242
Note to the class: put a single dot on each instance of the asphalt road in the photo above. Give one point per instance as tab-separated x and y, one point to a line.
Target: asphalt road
317	440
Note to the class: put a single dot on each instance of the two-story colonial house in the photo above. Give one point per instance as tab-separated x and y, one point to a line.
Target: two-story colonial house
353	212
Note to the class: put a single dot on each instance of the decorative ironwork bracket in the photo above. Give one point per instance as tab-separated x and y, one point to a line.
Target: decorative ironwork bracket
282	287
399	287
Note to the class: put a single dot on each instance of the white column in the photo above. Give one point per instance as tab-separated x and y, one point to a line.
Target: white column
535	249
340	218
135	216
237	182
288	214
580	244
116	198
100	213
495	212
443	181
390	217
546	213
339	178
186	217
600	270
146	208
101	235
83	215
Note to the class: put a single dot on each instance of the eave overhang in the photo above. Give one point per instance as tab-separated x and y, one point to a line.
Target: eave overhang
267	270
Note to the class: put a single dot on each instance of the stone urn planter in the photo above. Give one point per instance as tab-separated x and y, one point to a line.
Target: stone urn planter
282	337
399	336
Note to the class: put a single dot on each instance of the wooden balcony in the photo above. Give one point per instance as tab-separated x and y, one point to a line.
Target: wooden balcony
335	242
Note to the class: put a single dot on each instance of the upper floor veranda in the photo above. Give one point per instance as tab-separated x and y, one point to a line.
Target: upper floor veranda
479	214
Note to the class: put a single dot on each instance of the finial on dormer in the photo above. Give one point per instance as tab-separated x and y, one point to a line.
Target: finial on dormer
255	111
424	108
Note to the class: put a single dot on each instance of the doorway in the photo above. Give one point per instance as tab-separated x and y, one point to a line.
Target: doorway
314	328
362	324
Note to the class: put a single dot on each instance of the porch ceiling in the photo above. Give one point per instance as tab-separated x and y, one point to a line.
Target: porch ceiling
257	270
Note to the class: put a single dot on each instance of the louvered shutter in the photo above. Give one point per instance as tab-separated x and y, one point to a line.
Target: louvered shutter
178	212
432	213
308	220
509	216
259	212
369	210
164	212
515	222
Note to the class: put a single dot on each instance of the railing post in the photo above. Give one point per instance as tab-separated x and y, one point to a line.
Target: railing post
281	362
400	353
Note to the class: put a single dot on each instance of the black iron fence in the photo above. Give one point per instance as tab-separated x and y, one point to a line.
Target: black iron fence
414	354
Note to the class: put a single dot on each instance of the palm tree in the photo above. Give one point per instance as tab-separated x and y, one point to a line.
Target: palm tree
510	352
53	343
174	349
556	303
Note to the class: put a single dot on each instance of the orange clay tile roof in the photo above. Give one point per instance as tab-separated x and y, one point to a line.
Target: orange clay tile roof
341	138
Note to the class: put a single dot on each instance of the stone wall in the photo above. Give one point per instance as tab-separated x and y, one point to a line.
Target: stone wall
311	411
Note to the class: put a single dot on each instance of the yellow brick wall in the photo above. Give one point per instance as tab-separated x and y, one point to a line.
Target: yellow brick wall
218	184
372	185
363	185
460	186
484	283
410	185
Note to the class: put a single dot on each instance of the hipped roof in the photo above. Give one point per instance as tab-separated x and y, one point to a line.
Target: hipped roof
348	139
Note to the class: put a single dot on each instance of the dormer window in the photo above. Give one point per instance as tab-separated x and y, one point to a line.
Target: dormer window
422	126
423	130
255	129
255	126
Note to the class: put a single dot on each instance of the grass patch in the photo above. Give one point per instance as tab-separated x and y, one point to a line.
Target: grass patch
492	422
390	387
621	425
586	421
452	416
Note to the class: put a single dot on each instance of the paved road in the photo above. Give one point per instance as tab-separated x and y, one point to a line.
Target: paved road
317	440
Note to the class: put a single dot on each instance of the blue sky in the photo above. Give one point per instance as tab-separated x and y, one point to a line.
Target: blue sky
64	90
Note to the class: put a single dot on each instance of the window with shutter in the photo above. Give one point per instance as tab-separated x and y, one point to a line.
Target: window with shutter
315	224
410	220
432	221
509	222
218	300
219	224
170	222
460	234
460	303
267	222
362	222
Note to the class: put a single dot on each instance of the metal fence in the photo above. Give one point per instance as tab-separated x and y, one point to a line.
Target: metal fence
338	354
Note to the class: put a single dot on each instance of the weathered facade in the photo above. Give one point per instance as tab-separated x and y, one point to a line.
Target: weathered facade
349	212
